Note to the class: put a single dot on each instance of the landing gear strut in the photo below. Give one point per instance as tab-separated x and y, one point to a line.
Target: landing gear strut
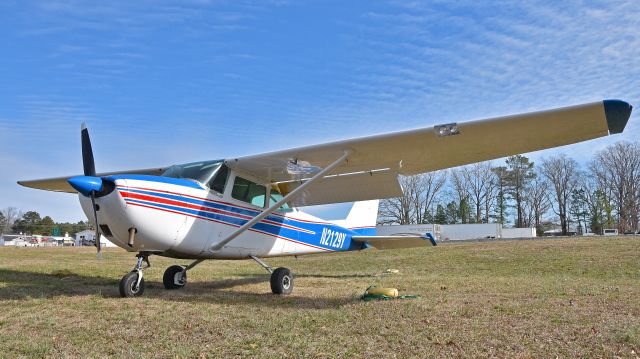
281	278
132	284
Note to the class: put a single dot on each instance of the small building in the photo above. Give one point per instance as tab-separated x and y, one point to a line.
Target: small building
87	238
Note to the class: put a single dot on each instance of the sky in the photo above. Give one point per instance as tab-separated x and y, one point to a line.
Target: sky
164	82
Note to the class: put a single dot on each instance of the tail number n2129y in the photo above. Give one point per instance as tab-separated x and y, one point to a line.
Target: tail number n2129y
332	238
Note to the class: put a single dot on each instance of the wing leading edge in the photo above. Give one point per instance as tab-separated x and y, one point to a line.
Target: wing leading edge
60	184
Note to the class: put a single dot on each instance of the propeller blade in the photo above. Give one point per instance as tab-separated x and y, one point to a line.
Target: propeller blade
87	152
95	217
89	184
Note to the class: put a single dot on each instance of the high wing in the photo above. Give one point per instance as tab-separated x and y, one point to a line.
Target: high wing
373	163
433	148
60	184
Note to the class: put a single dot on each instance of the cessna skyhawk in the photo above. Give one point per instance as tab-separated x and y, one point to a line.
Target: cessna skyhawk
247	207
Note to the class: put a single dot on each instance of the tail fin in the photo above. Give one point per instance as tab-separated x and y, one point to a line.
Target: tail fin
362	218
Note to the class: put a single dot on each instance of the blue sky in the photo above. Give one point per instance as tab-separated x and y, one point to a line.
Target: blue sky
162	82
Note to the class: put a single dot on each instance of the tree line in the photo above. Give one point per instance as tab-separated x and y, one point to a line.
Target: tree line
13	221
603	193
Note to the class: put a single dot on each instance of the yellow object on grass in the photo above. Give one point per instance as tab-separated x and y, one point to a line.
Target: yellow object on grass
378	293
389	292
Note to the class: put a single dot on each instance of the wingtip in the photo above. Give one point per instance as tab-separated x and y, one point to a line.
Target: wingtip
617	113
83	126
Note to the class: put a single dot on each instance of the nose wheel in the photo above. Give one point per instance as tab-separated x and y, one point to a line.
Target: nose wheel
132	284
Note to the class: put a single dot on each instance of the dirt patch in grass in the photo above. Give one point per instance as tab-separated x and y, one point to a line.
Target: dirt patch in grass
567	298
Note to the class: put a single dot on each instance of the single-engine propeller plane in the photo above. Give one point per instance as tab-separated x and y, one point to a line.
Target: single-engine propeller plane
247	207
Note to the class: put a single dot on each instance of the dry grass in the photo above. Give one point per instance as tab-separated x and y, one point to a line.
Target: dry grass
562	297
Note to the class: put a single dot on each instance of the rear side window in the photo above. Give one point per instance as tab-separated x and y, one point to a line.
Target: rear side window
274	197
248	191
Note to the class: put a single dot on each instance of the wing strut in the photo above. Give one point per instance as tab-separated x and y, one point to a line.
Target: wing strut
286	198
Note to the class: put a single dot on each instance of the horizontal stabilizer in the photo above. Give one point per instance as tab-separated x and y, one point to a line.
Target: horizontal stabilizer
396	242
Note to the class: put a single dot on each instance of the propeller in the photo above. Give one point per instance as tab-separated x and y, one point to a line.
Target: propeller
89	184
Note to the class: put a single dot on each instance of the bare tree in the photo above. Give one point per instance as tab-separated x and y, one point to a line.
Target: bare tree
431	184
420	192
474	186
480	181
398	210
560	171
461	193
518	175
537	202
491	194
617	171
10	215
500	175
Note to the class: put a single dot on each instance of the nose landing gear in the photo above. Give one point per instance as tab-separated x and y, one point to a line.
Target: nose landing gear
132	284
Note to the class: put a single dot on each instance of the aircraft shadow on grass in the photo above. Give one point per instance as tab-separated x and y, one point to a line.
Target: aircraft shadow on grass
21	285
326	276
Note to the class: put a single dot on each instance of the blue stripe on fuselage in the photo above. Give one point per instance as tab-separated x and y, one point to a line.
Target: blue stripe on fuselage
276	229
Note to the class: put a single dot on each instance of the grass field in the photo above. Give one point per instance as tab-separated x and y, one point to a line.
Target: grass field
545	298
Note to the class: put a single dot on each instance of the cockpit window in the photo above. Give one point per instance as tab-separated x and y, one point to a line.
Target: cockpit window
219	179
197	171
249	192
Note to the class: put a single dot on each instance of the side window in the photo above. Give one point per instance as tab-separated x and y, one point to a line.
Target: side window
274	197
219	179
248	191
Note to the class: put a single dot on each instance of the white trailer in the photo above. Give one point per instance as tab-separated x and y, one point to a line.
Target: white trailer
457	232
519	232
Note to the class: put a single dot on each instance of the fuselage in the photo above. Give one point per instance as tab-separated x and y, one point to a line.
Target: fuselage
182	218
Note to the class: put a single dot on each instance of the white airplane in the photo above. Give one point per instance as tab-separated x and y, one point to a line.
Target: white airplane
246	207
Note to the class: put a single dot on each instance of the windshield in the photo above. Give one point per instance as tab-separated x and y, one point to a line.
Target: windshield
197	171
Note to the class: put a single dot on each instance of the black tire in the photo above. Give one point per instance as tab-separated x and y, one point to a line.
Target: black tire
128	285
169	277
281	281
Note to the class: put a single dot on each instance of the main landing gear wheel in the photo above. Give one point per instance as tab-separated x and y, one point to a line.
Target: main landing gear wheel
281	281
175	277
132	285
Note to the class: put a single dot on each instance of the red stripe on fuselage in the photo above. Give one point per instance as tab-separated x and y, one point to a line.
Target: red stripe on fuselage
177	203
219	202
228	224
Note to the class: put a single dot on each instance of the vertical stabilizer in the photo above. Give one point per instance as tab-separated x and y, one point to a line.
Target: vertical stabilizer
362	218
